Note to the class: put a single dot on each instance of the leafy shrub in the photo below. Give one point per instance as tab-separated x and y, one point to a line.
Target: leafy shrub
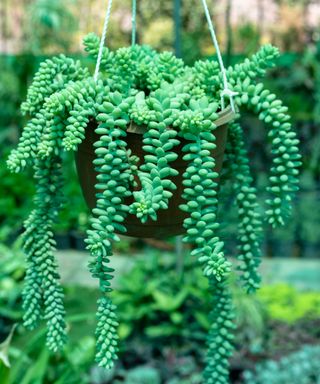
16	193
154	300
12	267
9	96
284	302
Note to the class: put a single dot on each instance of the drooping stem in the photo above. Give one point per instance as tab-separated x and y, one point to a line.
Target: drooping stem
221	334
112	187
200	193
250	222
42	286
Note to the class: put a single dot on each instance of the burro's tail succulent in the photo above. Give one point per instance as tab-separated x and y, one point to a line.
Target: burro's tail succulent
173	102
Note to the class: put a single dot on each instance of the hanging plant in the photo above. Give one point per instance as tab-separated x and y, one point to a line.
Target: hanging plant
155	130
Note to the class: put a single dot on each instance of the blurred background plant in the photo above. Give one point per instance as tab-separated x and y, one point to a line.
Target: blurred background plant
300	367
49	26
163	317
163	304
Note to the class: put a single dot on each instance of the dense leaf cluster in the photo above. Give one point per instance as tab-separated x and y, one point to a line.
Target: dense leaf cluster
172	102
301	367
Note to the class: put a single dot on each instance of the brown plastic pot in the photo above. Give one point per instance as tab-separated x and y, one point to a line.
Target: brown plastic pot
169	222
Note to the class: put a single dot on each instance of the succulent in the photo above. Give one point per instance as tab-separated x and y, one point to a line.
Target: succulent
301	367
175	104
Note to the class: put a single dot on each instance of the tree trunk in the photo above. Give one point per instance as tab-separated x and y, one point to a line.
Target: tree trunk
260	19
228	32
177	27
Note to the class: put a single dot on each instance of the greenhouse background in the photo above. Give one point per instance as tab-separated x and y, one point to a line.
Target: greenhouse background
160	294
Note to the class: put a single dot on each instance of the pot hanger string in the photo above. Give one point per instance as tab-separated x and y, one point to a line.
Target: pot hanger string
227	91
134	22
103	39
105	29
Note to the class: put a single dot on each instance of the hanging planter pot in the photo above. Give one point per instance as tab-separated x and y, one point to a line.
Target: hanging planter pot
149	140
170	221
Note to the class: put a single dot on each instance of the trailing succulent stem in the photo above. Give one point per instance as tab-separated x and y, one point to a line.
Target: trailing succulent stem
220	338
42	289
200	193
52	77
112	186
286	158
174	105
250	222
156	186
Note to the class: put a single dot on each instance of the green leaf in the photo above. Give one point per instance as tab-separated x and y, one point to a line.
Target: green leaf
168	303
202	319
4	348
176	317
35	374
163	330
4	373
124	330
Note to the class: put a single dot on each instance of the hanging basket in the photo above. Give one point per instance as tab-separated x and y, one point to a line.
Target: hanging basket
170	221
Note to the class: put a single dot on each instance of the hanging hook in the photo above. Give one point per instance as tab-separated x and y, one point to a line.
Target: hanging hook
227	92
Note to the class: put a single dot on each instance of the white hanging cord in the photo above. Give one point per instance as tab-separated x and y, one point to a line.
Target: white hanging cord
227	92
134	22
102	41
